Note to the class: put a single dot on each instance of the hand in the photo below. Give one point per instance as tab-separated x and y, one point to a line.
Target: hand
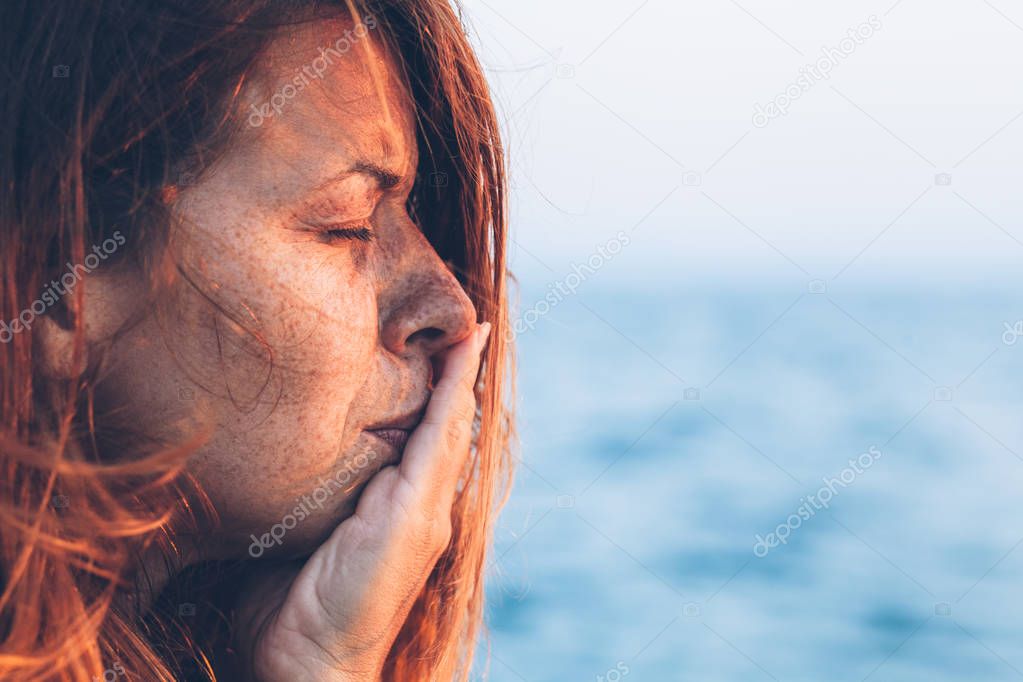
335	617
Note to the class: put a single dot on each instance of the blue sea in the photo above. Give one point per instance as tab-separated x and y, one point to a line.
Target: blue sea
662	433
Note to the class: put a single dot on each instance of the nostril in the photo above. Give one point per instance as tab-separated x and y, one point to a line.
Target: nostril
425	336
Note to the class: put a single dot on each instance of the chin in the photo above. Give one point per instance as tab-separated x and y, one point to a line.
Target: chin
298	531
307	520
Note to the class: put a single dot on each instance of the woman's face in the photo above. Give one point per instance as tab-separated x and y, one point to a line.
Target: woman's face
300	234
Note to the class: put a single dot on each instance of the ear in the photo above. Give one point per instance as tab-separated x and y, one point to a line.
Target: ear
55	345
109	300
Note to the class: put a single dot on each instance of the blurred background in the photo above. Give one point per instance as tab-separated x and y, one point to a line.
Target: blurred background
763	249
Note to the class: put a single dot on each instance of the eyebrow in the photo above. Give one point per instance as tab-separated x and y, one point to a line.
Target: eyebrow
385	177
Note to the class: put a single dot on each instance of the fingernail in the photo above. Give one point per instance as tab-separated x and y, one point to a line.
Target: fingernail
483	333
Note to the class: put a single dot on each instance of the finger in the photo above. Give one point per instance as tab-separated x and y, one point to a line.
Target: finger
436	450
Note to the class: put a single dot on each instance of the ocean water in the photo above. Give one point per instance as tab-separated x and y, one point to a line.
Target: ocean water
661	434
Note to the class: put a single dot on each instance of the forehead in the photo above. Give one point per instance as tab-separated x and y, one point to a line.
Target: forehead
327	92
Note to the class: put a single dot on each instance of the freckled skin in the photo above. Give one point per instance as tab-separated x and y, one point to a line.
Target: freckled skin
352	326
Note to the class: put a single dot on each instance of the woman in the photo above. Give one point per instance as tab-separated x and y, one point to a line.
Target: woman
252	251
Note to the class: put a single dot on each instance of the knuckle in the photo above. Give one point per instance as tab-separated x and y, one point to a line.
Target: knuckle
462	414
440	535
454	433
467	382
465	407
432	535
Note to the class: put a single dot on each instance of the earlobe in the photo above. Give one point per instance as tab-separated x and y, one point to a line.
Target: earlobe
55	346
108	303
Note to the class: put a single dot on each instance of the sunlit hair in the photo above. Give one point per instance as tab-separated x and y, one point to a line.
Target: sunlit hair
109	105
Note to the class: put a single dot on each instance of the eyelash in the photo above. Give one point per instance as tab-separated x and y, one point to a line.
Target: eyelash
362	234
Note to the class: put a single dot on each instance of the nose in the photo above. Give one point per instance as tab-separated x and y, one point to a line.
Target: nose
425	308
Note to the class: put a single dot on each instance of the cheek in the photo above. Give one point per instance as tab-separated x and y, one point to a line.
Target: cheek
320	337
294	309
325	352
322	327
291	402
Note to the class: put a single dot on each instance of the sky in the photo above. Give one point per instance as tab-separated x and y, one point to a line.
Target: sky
895	160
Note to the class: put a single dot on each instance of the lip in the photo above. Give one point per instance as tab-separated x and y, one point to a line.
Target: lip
395	437
396	431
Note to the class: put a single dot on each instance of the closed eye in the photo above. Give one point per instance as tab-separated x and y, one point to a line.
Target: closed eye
363	234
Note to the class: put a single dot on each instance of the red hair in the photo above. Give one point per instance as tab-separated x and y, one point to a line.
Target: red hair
109	104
